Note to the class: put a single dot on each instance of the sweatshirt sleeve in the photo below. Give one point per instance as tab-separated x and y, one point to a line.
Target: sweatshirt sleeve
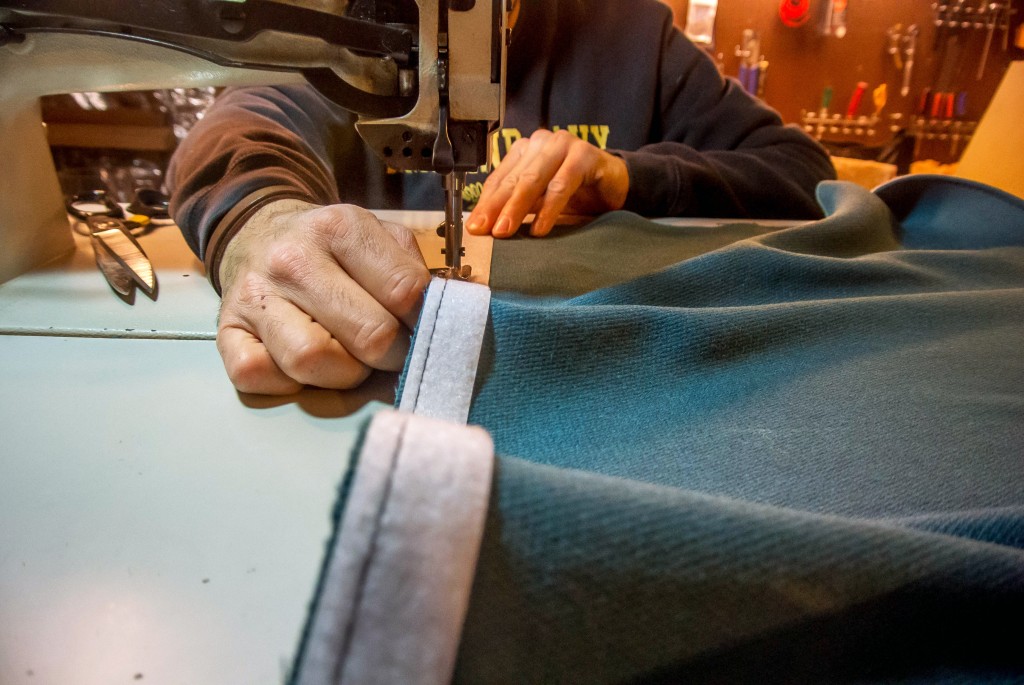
723	153
251	139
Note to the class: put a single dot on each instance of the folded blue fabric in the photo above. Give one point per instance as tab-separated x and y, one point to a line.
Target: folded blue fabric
821	367
797	456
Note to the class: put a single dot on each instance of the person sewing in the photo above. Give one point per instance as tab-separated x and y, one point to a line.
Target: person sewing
608	107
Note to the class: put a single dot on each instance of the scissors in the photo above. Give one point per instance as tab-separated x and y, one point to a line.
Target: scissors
119	257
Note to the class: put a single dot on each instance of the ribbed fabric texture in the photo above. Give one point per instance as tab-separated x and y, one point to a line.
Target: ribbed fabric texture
590	579
798	457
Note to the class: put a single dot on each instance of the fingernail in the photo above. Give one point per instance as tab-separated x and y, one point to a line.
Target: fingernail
503	227
475	225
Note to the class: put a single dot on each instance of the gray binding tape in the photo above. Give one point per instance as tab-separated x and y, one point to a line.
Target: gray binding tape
399	575
442	365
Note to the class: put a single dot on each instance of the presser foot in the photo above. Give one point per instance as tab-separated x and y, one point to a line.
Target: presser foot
459	273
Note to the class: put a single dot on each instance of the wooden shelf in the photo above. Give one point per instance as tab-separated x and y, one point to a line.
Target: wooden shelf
108	136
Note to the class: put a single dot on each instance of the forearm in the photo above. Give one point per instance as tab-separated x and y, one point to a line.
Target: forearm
719	151
250	140
776	181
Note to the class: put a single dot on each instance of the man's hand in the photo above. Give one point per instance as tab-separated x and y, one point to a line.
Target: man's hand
316	296
549	174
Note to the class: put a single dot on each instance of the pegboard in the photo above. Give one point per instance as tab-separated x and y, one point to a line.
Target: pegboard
803	61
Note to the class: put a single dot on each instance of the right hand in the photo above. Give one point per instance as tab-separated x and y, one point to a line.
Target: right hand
317	296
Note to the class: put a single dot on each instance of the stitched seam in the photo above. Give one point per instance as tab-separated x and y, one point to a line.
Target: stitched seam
430	347
364	571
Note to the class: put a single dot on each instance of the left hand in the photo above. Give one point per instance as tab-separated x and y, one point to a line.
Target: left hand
549	173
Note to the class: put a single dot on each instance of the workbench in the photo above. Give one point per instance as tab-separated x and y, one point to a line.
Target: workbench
158	526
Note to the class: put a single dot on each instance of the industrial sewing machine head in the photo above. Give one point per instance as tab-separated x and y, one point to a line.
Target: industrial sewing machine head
426	78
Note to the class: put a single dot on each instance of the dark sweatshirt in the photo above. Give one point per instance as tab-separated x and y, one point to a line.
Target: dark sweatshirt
613	72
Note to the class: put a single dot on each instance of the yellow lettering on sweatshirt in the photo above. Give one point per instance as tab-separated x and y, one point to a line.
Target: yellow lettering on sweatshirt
600	134
502	140
495	154
511	135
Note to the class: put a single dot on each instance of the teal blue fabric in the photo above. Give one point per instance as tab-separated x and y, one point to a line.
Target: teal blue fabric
612	250
590	579
797	457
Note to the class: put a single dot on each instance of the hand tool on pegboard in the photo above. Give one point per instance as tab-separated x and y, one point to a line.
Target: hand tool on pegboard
943	18
826	99
950	21
879	96
944	81
920	111
909	50
855	98
762	74
992	12
835	18
749	52
1010	11
959	112
895	35
924	102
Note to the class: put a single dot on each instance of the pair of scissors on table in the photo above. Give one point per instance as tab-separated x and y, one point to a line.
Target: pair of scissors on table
119	257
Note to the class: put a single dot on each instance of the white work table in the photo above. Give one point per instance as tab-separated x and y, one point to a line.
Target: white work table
158	527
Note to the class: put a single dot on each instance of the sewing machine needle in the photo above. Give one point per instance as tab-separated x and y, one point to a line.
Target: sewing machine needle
454	183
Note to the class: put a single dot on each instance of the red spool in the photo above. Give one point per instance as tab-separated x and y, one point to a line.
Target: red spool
794	12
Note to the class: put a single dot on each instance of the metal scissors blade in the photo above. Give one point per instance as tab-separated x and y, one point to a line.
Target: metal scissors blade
116	275
113	238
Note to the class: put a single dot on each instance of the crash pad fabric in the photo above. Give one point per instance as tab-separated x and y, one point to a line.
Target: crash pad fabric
401	558
440	369
584	578
821	368
939	212
609	250
798	457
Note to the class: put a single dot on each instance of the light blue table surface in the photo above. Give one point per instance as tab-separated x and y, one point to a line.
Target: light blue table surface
157	526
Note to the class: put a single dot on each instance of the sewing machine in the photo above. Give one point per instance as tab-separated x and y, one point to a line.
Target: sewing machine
130	554
425	76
